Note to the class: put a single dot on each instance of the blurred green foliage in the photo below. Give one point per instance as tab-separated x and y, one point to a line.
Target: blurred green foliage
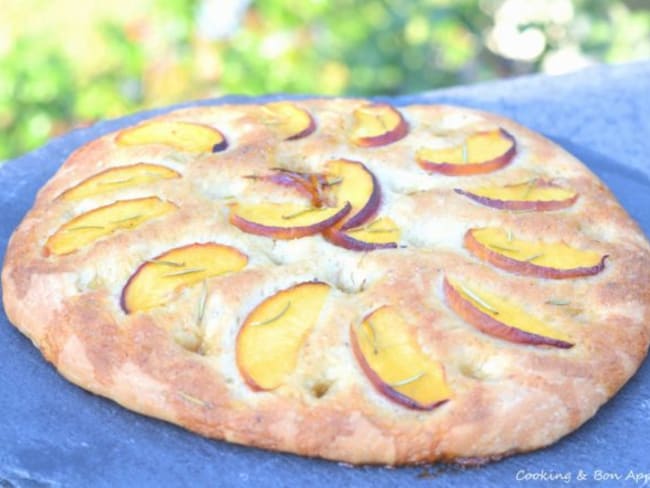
359	47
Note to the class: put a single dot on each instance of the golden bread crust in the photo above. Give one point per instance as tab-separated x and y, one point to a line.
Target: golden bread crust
507	397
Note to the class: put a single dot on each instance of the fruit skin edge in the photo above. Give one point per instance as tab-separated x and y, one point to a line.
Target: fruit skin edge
306	131
370	208
344	240
490	326
519	205
450	169
384	388
527	268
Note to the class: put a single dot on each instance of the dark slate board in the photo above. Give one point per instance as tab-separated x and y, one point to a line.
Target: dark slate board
55	434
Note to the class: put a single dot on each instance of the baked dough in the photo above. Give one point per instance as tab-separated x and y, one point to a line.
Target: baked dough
507	397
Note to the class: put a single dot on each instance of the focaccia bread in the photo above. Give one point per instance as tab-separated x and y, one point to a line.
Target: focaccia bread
336	278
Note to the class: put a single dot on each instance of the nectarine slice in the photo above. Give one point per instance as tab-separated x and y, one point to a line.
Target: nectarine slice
382	233
499	317
285	220
482	152
272	335
535	194
377	125
103	221
554	260
119	178
184	136
393	361
289	120
158	280
358	186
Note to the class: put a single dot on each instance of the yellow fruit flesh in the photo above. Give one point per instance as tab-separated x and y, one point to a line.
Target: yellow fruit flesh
160	279
272	335
184	136
283	215
502	310
119	178
286	118
373	121
380	231
477	148
356	185
391	351
103	221
528	191
555	255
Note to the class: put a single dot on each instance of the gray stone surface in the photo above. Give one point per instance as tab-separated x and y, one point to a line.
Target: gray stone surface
55	434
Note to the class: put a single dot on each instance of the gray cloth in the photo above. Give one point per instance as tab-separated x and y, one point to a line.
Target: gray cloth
55	434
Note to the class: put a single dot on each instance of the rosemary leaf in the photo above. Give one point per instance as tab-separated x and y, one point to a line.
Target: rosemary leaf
84	227
192	399
274	318
534	257
185	272
408	380
557	302
116	182
127	219
529	187
166	263
202	303
299	213
373	339
478	300
502	248
465	155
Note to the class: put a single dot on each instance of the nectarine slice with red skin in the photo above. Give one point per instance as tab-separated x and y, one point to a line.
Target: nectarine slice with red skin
157	281
103	221
290	120
118	178
359	186
393	361
378	124
482	152
183	136
536	194
382	233
285	220
498	317
270	339
544	260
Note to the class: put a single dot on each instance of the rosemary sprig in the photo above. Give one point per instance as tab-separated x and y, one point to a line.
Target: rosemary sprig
274	318
184	272
557	302
478	300
408	380
509	235
299	213
84	227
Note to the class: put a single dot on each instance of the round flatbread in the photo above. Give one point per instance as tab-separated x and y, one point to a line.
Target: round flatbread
336	278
